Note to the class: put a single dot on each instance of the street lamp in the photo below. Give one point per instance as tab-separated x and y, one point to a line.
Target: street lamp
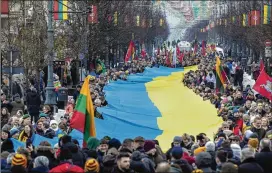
50	90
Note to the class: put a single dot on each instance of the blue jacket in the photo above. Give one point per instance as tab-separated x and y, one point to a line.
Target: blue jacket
40	169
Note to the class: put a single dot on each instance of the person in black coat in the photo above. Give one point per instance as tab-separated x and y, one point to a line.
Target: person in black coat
249	163
5	103
76	93
33	102
264	158
47	131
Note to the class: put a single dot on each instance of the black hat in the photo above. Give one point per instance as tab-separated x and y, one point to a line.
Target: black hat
7	145
65	154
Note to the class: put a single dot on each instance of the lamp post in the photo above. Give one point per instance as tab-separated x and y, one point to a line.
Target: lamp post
50	90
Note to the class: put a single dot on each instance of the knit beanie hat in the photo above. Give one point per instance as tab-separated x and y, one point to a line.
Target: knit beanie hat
149	145
114	143
42	115
253	142
177	139
93	143
177	152
19	159
91	165
25	116
236	149
199	150
210	146
13	131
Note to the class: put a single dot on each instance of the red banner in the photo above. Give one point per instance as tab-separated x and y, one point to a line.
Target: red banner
92	18
255	18
4	7
129	51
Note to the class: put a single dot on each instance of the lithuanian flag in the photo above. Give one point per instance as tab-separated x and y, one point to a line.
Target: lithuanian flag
83	117
60	10
267	14
221	77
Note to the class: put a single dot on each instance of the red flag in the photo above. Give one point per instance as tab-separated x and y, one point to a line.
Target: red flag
4	7
261	65
263	85
255	18
143	53
181	57
129	51
195	48
167	58
178	51
92	17
203	51
158	51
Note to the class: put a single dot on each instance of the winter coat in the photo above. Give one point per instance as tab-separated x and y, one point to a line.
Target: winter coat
264	159
117	170
40	169
213	166
250	165
33	102
6	169
4	119
140	163
66	167
183	164
261	132
78	156
17	105
49	133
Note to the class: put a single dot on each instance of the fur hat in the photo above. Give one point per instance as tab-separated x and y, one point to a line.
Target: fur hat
210	146
19	159
149	145
91	165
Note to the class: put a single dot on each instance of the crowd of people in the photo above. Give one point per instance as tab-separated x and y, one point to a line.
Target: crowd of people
242	144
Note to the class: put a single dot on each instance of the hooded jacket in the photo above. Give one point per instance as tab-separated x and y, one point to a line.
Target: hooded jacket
17	105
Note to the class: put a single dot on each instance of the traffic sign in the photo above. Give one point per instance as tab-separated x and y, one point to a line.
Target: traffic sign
268	43
268	52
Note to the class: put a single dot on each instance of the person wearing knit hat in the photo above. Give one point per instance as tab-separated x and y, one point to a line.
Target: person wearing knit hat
199	150
210	146
14	133
177	153
253	143
19	160
93	143
114	143
177	141
91	165
25	116
149	145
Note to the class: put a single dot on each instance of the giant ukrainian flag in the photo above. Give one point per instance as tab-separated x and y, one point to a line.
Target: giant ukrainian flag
156	105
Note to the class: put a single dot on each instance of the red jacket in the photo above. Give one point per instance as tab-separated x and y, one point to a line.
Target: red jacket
237	130
67	167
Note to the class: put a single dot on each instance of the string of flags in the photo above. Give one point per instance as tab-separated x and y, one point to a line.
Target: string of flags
60	10
252	18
